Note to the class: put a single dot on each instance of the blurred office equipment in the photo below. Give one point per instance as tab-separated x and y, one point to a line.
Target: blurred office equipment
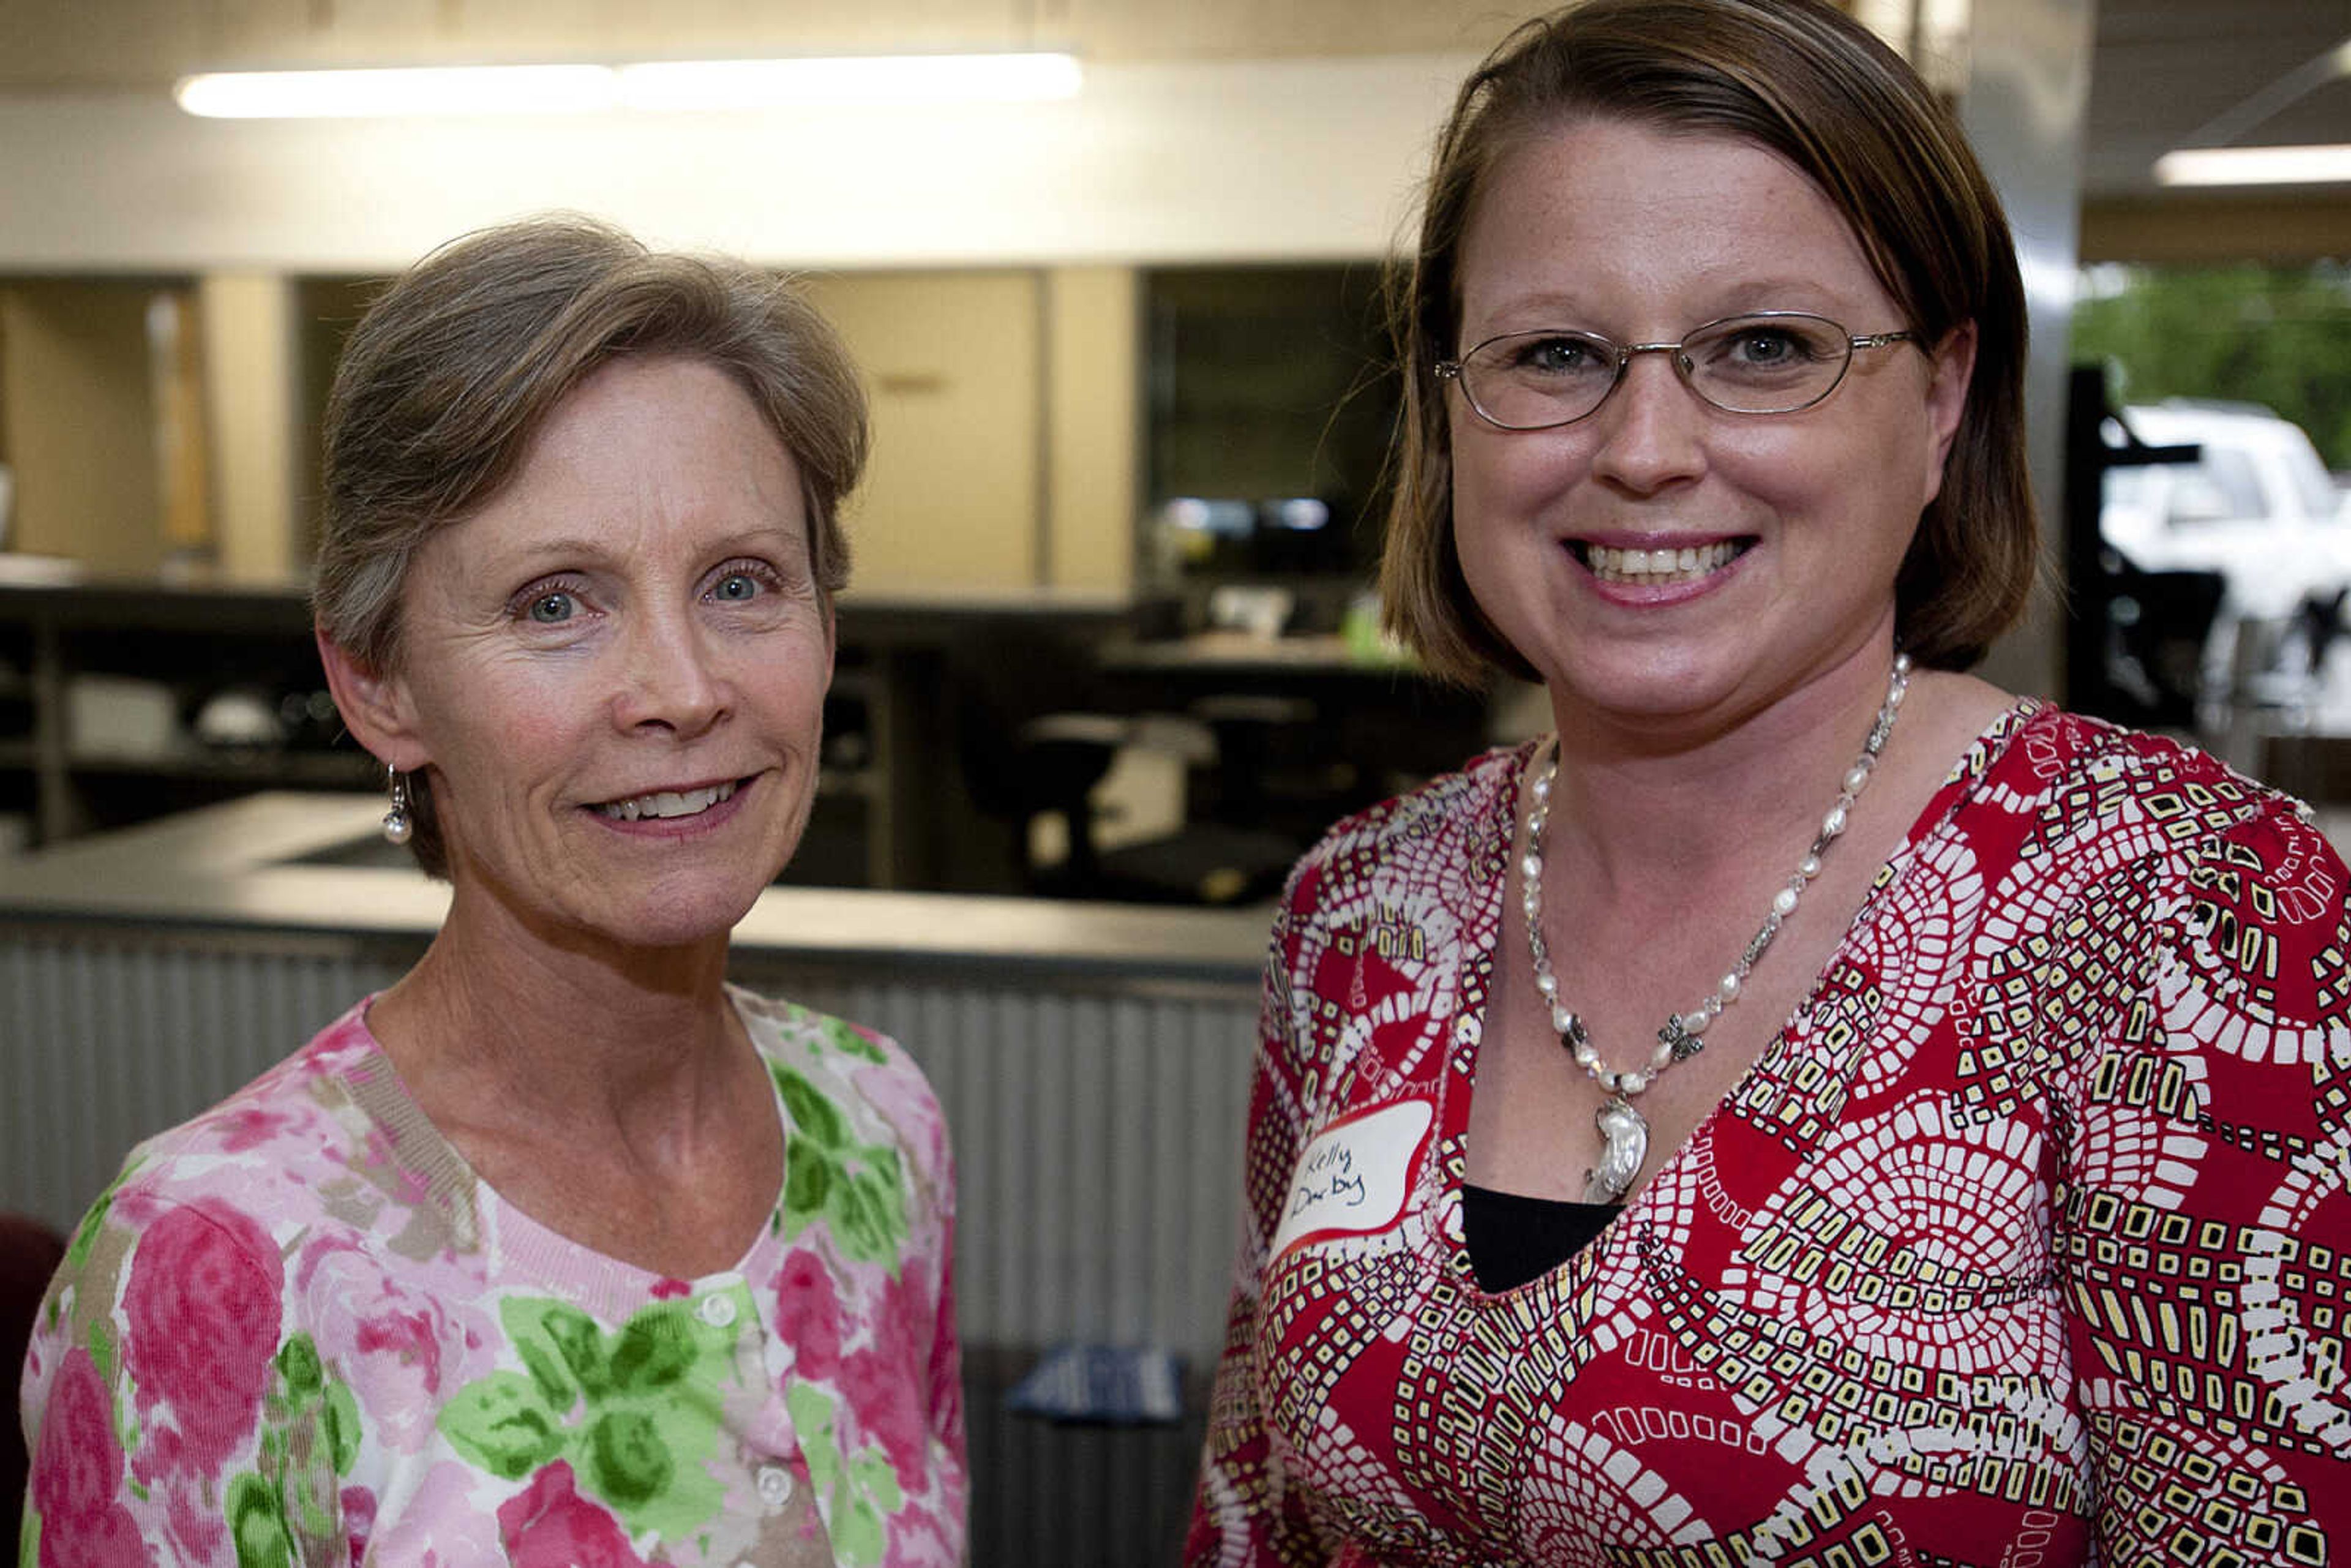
1038	732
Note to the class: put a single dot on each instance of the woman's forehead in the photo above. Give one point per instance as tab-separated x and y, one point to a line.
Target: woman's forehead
1606	209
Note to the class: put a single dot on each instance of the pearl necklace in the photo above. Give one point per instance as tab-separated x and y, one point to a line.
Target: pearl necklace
1625	1132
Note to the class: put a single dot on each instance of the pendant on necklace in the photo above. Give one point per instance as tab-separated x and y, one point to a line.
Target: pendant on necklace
1626	1150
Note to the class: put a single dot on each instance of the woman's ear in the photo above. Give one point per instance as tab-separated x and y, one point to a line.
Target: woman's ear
374	706
1951	367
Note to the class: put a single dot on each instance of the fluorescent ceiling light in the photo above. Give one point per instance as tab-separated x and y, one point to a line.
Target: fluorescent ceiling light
2255	166
872	78
361	94
660	85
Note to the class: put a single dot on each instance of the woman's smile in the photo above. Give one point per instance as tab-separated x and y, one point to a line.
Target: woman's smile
684	808
1662	571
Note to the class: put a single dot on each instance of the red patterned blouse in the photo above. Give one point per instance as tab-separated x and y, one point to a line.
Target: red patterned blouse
2027	1242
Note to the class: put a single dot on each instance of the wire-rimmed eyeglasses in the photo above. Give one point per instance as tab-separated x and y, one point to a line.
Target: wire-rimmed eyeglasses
1771	361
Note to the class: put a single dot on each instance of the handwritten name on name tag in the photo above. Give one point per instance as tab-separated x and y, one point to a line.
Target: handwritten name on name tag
1353	1177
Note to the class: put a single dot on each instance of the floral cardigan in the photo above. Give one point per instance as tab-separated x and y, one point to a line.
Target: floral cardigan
298	1329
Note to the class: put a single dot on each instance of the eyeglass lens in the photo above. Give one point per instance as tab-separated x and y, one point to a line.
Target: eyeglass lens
1749	364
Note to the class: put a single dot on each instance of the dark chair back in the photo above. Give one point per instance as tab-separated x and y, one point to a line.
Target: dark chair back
30	1253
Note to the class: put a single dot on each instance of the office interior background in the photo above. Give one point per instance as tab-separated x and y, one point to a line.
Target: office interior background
1110	657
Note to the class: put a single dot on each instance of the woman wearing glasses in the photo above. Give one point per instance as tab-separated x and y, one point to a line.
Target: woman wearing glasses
1815	1106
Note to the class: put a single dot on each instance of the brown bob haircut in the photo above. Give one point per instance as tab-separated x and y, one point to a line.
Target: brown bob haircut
451	374
1807	82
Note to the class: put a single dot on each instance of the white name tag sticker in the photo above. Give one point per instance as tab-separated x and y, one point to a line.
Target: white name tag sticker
1353	1177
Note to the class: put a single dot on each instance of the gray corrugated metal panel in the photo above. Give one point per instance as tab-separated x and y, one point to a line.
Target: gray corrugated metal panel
1045	1492
1097	1129
106	1041
1097	1139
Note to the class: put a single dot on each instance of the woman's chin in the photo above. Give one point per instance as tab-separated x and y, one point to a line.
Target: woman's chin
682	918
609	907
686	910
1661	688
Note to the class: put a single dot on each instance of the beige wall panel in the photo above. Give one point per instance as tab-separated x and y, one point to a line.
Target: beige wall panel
951	361
1095	380
250	389
2214	229
81	427
175	374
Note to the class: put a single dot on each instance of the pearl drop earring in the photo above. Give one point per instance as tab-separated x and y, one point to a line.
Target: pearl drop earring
398	825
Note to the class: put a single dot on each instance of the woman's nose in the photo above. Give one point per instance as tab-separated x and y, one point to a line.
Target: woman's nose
671	679
1650	429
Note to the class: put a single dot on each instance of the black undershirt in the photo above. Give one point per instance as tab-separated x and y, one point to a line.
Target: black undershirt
1513	1239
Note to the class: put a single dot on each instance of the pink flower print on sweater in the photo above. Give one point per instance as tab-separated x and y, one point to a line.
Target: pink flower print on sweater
885	1380
550	1525
250	1128
77	1475
301	1328
393	1331
203	1313
808	1314
359	1519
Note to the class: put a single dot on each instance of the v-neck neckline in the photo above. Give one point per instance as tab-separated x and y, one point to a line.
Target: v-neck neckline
1449	1150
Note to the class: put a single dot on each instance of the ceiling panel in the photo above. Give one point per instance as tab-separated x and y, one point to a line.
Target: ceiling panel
2163	70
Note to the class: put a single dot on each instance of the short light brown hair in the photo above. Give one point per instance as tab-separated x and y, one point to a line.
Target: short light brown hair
1807	82
450	374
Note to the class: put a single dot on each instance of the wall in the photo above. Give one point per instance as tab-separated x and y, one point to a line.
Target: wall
2197	228
1092	371
81	423
1298	159
951	362
251	384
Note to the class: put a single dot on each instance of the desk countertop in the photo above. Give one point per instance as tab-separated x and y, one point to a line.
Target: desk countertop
227	867
1324	653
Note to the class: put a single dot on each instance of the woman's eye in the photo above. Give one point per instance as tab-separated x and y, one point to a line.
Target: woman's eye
552	609
1558	356
737	587
1764	348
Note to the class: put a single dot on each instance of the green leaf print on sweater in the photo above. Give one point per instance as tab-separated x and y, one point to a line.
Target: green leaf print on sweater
289	1509
635	1411
257	1524
832	1031
849	1042
102	1356
864	1489
829	1174
86	1234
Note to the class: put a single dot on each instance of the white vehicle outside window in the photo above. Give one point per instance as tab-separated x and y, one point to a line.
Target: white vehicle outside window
2258	507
